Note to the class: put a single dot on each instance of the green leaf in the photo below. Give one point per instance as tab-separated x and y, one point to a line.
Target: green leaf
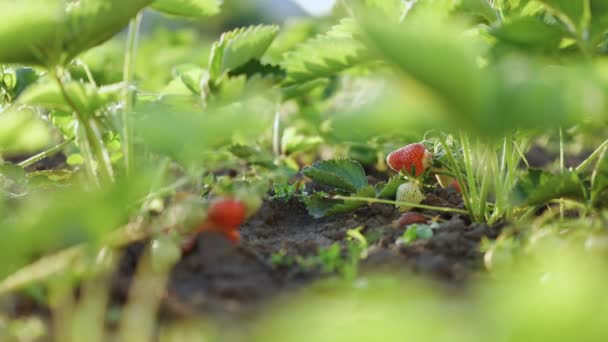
599	182
292	142
343	174
477	9
255	67
318	205
47	32
22	131
28	27
599	19
538	187
188	8
92	22
389	189
570	10
86	97
436	53
326	55
530	34
236	48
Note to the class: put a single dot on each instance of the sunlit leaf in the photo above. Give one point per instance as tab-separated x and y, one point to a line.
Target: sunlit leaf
344	174
188	8
326	54
599	182
22	131
538	187
236	48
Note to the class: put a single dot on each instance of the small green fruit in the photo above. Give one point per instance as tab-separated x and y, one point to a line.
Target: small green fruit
410	193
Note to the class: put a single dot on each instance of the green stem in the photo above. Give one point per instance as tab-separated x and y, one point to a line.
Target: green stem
44	154
377	200
128	78
92	136
562	166
598	151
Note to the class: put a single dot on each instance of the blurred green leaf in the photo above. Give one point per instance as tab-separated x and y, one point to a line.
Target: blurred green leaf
599	182
318	205
344	174
236	48
572	10
599	19
188	8
42	31
437	54
538	187
326	54
179	126
22	131
530	34
86	97
28	27
292	142
477	9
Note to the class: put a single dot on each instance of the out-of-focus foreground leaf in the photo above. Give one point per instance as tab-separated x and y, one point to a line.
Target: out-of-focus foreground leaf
188	8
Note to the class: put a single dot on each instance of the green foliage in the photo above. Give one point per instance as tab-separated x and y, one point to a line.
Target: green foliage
599	182
238	47
326	54
531	34
22	131
417	231
188	8
84	96
320	204
539	187
48	32
389	189
292	142
343	174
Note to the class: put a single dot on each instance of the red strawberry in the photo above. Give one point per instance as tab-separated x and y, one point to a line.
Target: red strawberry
412	159
456	185
225	216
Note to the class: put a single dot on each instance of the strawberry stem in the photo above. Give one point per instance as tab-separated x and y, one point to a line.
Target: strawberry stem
377	200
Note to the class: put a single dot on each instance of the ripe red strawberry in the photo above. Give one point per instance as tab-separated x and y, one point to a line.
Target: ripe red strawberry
227	214
412	159
224	216
410	193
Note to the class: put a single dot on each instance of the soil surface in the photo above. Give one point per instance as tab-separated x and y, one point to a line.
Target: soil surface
229	280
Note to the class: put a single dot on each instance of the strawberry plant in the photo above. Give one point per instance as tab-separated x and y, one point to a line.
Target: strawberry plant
164	162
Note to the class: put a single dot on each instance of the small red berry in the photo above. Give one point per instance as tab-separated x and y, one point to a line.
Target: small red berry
412	159
456	185
227	214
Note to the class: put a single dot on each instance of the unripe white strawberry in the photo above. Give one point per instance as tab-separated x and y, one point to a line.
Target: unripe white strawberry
410	193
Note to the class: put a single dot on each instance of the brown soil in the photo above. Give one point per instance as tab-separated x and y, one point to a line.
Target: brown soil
231	280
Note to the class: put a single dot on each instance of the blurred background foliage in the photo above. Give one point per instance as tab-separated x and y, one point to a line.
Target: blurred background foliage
209	98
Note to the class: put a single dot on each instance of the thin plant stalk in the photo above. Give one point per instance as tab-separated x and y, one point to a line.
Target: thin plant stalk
45	154
128	78
91	134
592	157
398	203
